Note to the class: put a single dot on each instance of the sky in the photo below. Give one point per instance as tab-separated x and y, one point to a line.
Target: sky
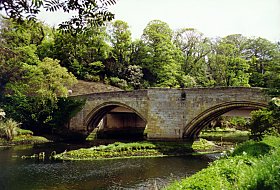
214	18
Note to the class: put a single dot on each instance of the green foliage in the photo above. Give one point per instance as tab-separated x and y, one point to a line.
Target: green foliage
266	121
195	48
120	38
246	169
22	34
31	100
66	109
84	54
30	87
228	67
225	134
236	122
125	150
262	54
8	129
202	144
134	76
87	12
252	148
240	122
162	63
121	83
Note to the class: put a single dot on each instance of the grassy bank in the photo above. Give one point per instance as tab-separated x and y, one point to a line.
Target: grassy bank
23	139
252	165
226	134
135	149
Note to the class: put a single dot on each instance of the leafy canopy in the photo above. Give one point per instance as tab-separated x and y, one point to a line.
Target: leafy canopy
86	12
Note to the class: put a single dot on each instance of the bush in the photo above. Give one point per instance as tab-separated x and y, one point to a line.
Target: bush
266	121
252	148
121	83
92	78
8	129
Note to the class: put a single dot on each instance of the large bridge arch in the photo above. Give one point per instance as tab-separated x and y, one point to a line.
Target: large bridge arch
194	127
95	116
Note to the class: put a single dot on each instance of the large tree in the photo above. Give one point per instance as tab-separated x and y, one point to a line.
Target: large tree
261	53
163	60
120	38
227	65
85	53
195	47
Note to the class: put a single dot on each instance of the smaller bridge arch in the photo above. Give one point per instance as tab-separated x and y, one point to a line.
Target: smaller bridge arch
101	111
194	127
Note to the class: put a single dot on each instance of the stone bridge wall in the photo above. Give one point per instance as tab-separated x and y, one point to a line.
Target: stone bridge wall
170	113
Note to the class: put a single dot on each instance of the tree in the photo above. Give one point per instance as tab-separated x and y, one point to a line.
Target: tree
82	53
33	99
195	48
15	35
120	38
88	12
227	65
162	62
261	54
272	76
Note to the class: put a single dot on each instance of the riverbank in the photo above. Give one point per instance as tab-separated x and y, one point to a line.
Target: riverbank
23	140
119	150
252	165
225	134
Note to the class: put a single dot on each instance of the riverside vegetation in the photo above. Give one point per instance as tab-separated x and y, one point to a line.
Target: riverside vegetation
119	150
252	165
12	134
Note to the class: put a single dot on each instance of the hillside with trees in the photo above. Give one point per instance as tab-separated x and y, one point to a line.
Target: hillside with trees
39	63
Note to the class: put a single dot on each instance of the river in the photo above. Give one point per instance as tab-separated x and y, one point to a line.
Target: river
147	173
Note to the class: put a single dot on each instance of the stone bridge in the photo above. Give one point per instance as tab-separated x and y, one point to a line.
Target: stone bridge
163	113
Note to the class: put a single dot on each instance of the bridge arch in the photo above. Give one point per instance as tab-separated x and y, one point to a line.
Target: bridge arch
99	112
195	126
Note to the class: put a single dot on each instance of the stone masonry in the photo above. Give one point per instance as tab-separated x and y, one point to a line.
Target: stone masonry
169	114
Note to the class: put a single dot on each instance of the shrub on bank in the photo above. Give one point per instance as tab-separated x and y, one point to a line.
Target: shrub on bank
253	165
8	129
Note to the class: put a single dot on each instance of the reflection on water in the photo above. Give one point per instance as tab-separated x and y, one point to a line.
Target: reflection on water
146	173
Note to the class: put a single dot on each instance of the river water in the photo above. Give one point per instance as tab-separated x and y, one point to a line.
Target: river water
147	173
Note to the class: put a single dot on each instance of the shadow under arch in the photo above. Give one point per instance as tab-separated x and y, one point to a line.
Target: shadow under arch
96	115
193	128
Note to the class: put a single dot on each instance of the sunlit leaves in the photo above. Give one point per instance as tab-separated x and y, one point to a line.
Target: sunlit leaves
87	12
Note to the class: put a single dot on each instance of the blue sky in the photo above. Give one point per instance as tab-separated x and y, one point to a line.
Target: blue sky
260	18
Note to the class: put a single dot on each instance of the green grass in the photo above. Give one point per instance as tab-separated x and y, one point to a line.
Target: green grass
227	134
23	139
252	166
135	149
